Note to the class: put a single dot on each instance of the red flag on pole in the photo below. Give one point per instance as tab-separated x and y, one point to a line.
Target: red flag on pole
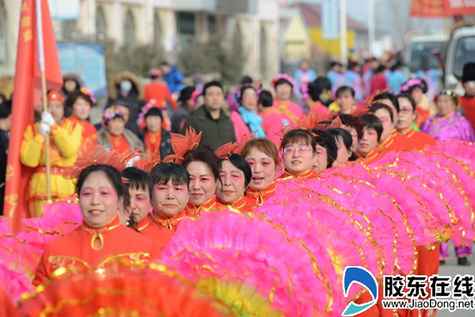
33	34
441	8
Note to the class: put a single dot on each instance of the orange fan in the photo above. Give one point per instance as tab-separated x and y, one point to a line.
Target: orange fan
96	154
182	144
128	293
227	149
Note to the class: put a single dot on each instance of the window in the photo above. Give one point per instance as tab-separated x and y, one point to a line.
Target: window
185	23
101	24
129	29
423	55
263	54
464	53
211	24
156	29
3	33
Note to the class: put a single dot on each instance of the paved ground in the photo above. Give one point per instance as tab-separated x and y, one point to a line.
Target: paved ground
451	268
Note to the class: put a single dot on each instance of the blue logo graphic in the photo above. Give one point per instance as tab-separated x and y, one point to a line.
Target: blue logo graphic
363	277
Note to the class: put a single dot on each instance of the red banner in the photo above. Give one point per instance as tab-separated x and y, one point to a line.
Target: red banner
442	8
26	95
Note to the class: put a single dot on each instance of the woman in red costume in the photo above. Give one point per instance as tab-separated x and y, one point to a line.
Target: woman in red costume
299	149
202	166
234	178
263	157
138	206
97	245
80	104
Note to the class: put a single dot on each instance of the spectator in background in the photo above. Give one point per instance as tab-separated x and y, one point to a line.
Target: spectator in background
234	92
354	80
336	74
173	77
265	100
368	71
114	136
322	89
396	77
467	101
303	76
156	139
79	104
417	88
211	119
345	102
378	81
158	89
248	114
185	105
319	89
71	84
5	114
126	90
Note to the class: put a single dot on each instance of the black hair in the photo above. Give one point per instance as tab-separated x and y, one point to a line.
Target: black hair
345	136
240	163
349	120
243	89
335	63
112	175
164	172
265	98
299	134
246	80
389	96
186	93
379	69
352	65
165	63
282	81
318	86
70	78
71	100
397	65
411	100
205	156
154	111
341	90
119	102
213	83
327	141
5	109
378	106
370	121
134	177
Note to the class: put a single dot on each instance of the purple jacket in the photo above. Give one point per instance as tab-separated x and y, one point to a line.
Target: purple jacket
455	127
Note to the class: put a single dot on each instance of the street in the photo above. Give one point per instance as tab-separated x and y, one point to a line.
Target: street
451	268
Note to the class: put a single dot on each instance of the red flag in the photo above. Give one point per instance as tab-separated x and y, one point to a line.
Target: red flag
27	92
441	8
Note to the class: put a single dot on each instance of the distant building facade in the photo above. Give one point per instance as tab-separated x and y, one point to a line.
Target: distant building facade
168	22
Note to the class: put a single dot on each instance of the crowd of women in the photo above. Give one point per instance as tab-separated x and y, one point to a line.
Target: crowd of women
257	215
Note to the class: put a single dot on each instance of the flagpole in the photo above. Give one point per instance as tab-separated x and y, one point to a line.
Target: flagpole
44	98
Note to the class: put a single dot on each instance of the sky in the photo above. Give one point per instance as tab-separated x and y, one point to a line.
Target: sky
391	18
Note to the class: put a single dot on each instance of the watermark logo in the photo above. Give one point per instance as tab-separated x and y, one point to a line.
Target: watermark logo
359	275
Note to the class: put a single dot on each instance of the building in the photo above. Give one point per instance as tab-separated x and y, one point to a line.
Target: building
303	34
171	23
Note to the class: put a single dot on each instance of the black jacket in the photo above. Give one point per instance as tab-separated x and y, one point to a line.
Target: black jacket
215	132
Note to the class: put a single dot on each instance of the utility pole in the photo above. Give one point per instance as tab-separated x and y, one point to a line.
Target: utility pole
343	33
371	27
